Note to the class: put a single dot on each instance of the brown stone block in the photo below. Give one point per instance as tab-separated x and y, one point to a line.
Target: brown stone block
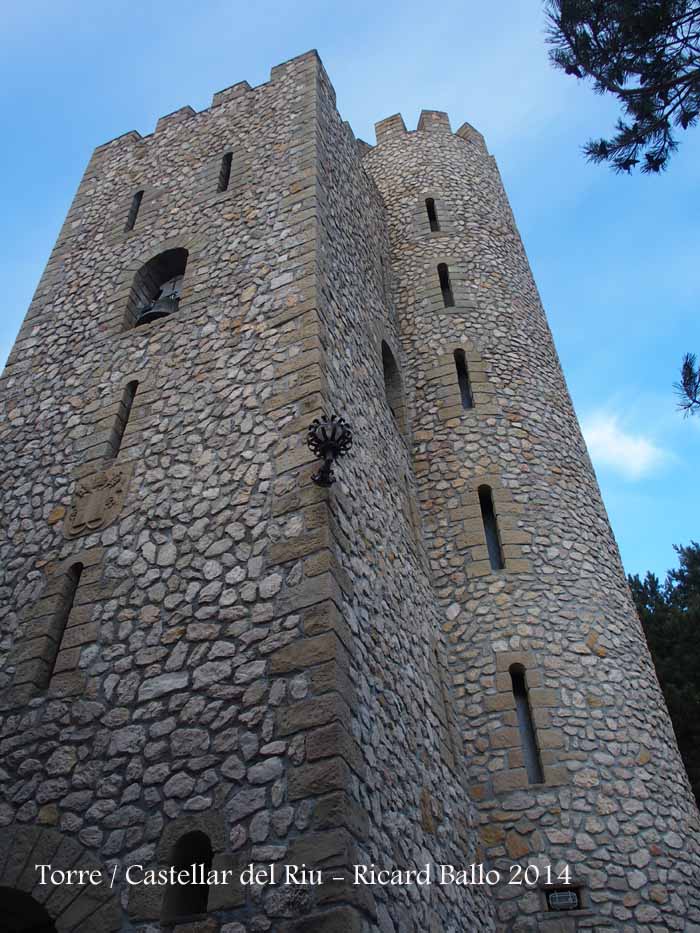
480	568
35	671
94	439
517	846
338	809
79	635
294	395
499	701
145	902
301	361
233	893
67	660
30	628
329	677
504	660
447	413
514	779
544	696
314	406
541	717
47	605
84	906
505	738
201	925
32	649
338	920
80	615
335	740
550	738
492	835
557	925
326	617
305	652
517	565
445	369
93	593
310	713
556	774
108	919
515	537
299	498
320	562
293	548
334	847
316	590
17	695
67	684
17	859
473	528
312	780
294	459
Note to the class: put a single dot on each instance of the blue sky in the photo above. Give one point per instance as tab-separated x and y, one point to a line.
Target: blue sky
616	258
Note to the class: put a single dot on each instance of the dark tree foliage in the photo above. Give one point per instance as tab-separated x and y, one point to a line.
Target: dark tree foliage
688	388
670	615
646	53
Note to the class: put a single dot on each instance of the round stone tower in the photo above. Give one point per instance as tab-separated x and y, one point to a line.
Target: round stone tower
570	751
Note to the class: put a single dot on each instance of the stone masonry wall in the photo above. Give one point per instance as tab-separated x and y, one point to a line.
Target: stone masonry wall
615	803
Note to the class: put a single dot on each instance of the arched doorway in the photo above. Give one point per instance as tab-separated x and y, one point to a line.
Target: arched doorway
22	914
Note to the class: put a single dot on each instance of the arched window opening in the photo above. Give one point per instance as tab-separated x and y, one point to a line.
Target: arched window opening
488	516
134	210
22	914
465	388
182	900
60	620
446	286
432	214
392	386
122	416
526	726
225	172
157	287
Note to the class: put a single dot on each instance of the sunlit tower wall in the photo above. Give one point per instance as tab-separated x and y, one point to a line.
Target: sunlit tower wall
567	741
204	656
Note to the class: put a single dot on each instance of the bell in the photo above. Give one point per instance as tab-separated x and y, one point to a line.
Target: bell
162	307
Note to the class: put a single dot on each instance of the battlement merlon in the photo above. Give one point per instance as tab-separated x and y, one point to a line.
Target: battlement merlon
430	121
288	69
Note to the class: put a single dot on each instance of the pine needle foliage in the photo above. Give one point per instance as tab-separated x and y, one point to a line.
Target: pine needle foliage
670	616
646	53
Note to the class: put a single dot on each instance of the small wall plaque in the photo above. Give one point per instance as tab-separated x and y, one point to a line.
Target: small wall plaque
97	500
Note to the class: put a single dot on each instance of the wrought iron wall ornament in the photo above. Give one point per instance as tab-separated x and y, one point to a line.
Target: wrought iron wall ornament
328	439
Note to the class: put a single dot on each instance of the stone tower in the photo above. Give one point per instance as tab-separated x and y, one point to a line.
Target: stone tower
208	658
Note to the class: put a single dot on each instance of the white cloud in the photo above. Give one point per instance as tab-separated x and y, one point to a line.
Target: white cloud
632	455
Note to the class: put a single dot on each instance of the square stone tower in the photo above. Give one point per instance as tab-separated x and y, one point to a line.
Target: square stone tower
205	656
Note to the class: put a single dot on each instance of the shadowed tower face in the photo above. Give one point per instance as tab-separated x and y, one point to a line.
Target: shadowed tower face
207	657
569	751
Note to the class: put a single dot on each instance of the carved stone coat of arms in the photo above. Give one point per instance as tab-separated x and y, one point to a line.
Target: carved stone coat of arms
97	500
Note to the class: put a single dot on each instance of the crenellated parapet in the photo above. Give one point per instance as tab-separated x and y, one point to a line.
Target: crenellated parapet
436	122
238	94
